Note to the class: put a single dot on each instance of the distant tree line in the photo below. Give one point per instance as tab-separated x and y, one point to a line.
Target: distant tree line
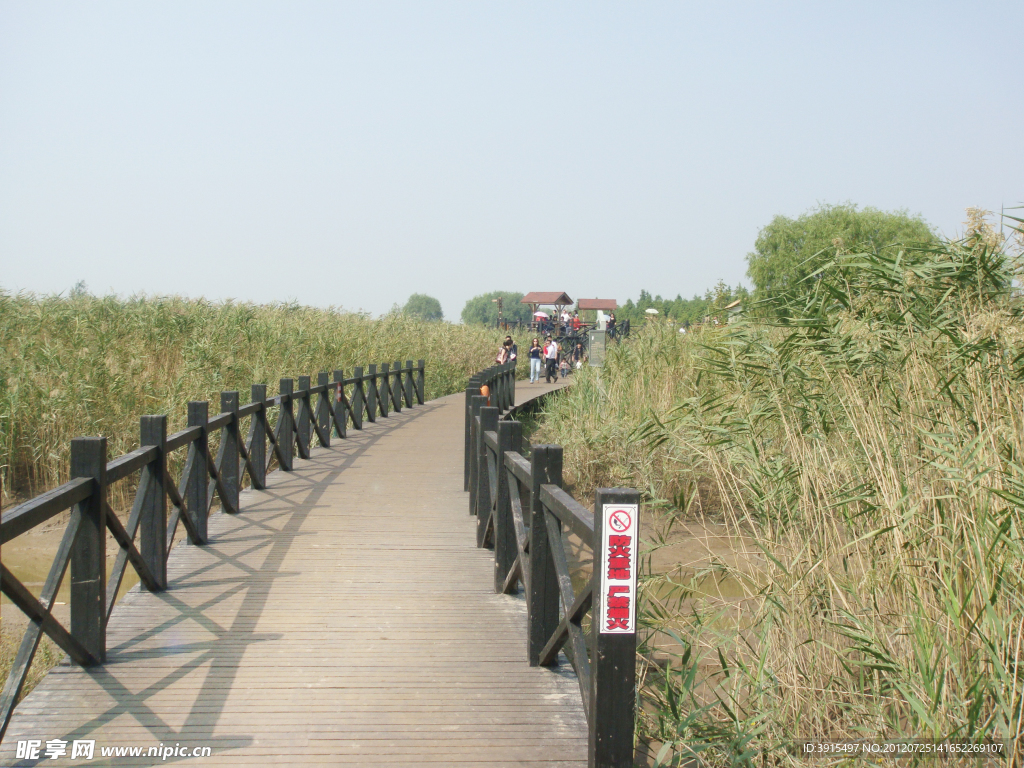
683	311
482	309
789	256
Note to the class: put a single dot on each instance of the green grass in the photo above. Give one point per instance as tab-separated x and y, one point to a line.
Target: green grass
870	458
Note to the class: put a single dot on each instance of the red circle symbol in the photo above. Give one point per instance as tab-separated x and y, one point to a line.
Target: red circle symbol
620	520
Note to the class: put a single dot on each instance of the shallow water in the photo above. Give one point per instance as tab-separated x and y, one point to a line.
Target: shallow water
30	556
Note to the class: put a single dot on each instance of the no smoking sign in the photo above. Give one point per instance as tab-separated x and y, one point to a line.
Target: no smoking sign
620	520
618	563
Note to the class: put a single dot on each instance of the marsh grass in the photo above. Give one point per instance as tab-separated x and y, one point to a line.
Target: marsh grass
85	365
869	458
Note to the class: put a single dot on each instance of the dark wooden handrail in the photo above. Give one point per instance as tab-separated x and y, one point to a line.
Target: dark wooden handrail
203	478
182	438
523	513
27	516
570	512
121	467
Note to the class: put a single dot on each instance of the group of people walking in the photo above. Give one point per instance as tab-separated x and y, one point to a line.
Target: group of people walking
552	360
547	357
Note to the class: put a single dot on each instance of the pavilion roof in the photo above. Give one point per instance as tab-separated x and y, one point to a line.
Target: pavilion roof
602	304
547	297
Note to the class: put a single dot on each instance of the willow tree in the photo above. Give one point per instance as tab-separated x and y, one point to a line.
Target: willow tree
788	252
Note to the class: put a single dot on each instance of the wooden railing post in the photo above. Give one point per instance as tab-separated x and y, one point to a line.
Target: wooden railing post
409	384
89	552
196	491
472	390
384	393
488	423
476	403
302	426
542	600
396	389
339	401
421	366
153	520
358	398
258	444
613	647
286	424
496	396
510	438
323	408
229	437
371	393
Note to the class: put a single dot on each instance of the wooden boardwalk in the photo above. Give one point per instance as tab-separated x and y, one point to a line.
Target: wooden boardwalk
344	617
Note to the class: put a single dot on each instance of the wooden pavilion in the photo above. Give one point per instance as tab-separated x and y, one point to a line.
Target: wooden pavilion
537	299
605	305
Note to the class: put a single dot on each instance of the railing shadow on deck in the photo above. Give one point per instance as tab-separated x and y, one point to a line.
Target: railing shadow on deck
228	645
523	513
83	545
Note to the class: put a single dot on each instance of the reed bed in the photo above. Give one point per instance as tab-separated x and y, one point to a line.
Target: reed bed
84	365
867	460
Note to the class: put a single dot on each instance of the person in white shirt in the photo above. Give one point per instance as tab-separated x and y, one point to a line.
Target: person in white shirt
551	359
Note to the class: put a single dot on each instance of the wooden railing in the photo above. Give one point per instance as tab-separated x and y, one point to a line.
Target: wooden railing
83	546
523	512
500	380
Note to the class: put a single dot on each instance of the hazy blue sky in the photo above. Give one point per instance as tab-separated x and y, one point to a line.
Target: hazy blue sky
354	153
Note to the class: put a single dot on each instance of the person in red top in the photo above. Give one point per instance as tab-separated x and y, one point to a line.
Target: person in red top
576	323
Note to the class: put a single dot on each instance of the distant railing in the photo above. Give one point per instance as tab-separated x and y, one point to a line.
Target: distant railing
500	381
524	514
512	325
83	545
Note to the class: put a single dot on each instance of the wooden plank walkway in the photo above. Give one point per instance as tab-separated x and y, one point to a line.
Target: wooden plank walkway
344	617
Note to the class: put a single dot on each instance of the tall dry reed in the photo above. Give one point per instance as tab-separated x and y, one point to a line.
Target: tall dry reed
870	458
85	365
